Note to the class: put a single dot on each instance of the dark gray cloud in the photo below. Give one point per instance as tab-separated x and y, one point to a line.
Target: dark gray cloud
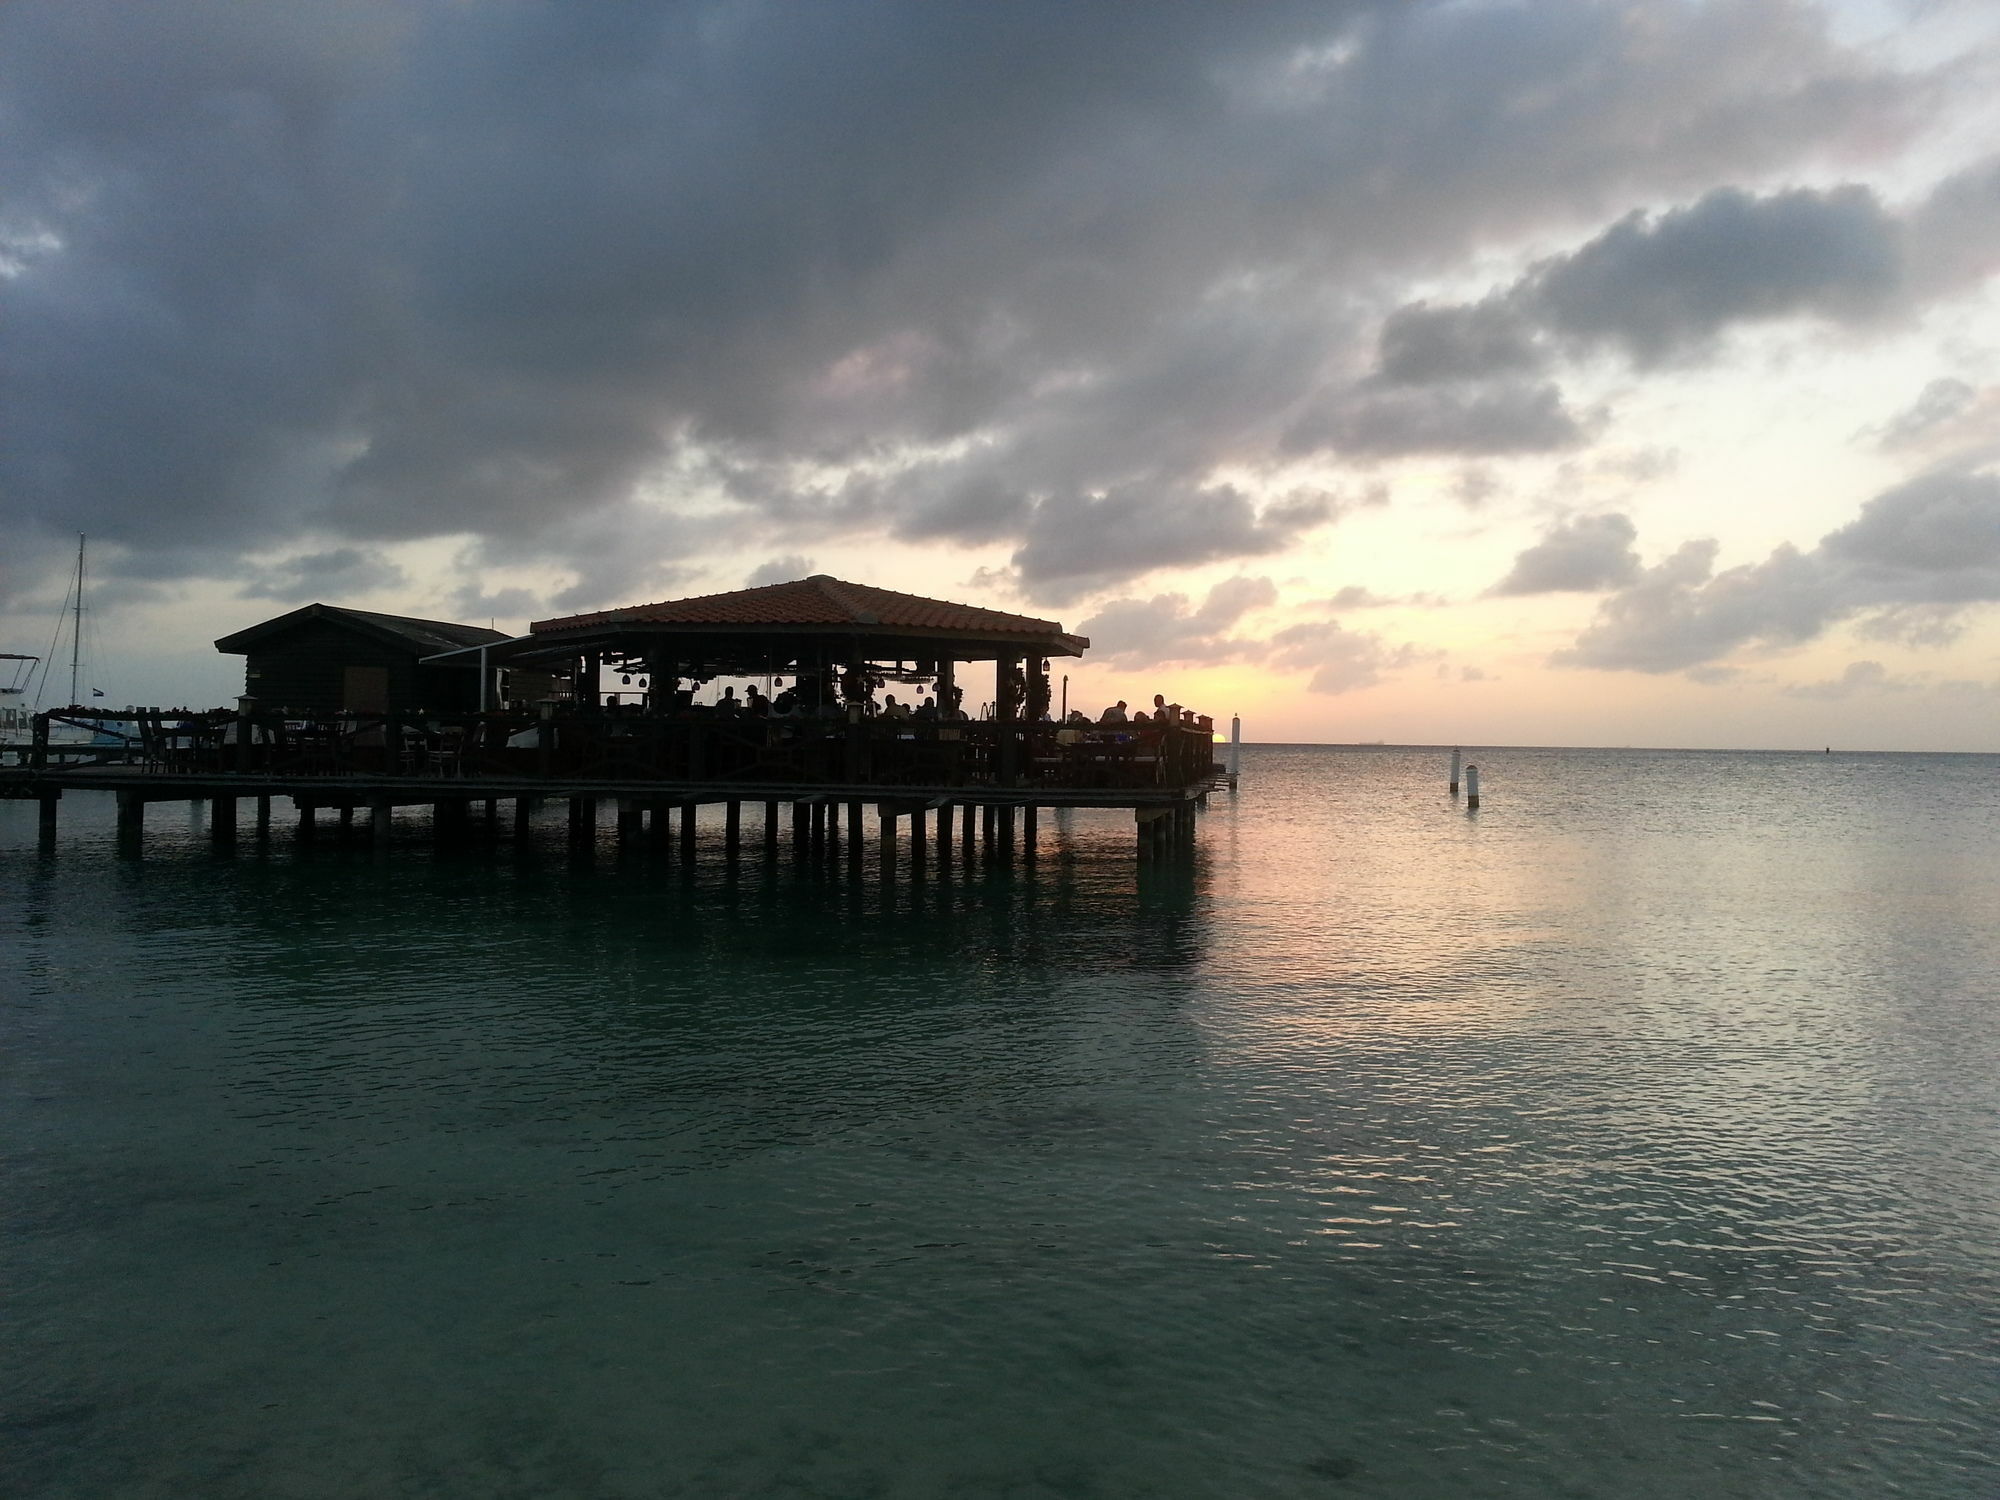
369	271
1915	557
340	572
1662	286
1577	555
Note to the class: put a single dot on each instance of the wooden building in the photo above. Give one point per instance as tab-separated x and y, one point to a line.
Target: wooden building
834	642
323	659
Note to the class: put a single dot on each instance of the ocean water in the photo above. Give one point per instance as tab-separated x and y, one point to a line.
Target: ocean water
1638	1136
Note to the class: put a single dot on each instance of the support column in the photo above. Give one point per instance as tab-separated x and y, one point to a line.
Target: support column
1030	826
380	813
966	839
888	814
857	830
222	822
660	825
524	811
919	840
770	830
46	823
131	824
308	821
801	829
582	820
688	830
944	835
989	817
631	821
1006	823
263	818
732	829
346	819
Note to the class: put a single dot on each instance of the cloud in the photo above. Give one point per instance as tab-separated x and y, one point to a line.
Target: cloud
1859	677
1907	566
1340	660
1578	555
780	570
343	571
1169	628
1077	543
395	269
1661	286
1354	596
1491	419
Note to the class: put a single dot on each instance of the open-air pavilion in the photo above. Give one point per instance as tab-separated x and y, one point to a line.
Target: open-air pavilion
784	695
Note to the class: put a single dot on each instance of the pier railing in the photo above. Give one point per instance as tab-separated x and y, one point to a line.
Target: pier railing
610	746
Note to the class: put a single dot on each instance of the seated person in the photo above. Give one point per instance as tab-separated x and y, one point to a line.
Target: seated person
891	709
1114	714
926	709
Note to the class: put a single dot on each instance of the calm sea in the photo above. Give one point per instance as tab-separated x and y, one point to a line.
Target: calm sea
1638	1136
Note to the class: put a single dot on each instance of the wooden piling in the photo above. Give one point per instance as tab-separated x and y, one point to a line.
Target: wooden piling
263	819
1030	827
919	840
689	828
131	823
46	820
222	821
732	829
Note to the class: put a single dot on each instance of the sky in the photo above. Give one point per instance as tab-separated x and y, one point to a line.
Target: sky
1540	373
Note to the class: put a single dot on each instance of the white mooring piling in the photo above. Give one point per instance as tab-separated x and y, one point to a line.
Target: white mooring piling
1472	788
1454	771
1235	747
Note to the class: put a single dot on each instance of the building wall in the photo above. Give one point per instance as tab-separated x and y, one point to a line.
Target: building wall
305	670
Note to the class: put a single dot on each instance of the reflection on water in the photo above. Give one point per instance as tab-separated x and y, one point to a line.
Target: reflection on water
1632	1137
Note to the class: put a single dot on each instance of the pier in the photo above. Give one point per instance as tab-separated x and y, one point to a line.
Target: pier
821	765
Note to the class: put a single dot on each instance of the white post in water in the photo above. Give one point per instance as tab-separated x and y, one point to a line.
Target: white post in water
1454	771
1235	747
1472	789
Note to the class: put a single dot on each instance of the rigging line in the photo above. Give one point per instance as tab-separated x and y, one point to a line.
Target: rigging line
55	640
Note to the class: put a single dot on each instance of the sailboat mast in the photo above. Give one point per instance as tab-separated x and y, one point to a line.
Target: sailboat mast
76	626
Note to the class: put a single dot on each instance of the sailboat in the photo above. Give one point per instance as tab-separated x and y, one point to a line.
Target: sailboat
17	719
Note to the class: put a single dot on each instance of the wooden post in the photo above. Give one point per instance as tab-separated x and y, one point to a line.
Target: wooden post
582	819
380	813
688	830
919	840
770	830
46	823
131	823
222	821
1006	823
38	749
966	838
801	828
308	820
630	821
524	812
989	817
944	834
857	831
732	828
263	818
1030	826
888	814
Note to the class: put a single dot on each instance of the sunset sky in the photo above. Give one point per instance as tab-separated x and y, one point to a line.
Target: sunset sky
1543	373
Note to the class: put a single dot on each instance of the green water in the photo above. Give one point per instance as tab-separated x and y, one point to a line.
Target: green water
1636	1137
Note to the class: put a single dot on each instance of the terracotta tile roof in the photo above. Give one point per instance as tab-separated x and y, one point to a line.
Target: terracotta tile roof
818	600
